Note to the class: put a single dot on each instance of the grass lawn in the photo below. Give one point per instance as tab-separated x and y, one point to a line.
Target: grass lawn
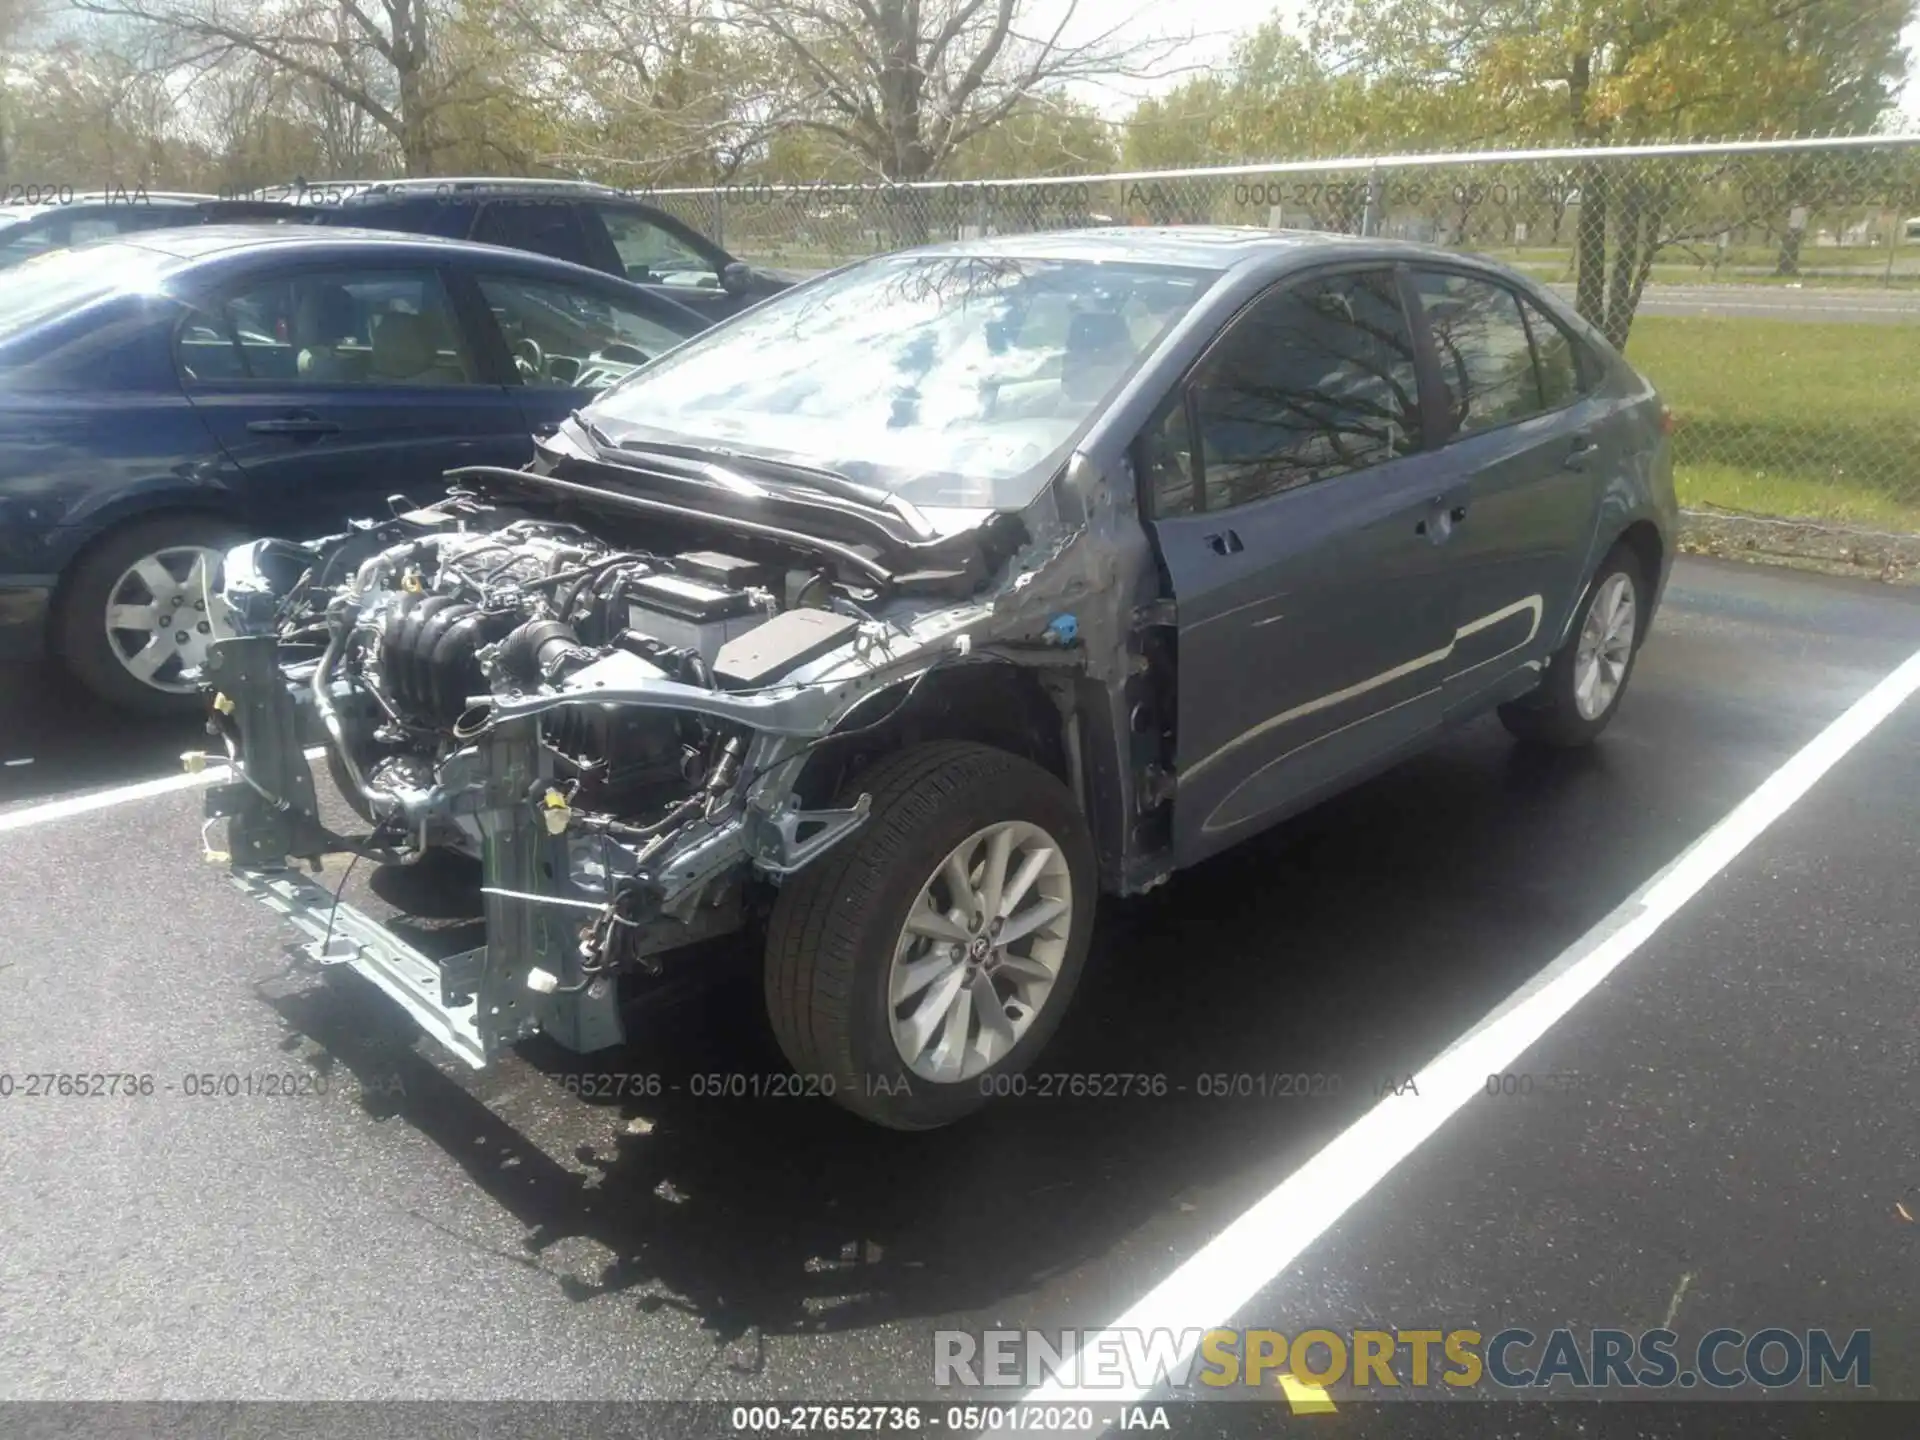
1780	417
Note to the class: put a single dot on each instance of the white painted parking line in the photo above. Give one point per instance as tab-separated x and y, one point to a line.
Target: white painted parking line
71	805
1243	1259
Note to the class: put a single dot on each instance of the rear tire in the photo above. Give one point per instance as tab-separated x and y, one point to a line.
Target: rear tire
867	946
148	574
1587	677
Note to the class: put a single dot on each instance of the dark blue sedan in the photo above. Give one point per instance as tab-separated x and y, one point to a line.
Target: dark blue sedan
164	397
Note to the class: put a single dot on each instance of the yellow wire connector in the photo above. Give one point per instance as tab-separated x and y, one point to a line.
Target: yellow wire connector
557	813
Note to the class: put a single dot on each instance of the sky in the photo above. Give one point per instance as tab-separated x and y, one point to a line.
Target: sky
1205	31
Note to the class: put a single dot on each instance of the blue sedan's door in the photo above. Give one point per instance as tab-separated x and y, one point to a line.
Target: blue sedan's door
1521	434
1307	549
331	389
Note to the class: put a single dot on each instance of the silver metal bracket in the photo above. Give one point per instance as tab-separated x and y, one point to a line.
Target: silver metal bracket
350	937
774	838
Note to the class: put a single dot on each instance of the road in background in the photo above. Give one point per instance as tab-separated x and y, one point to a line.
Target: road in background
1778	302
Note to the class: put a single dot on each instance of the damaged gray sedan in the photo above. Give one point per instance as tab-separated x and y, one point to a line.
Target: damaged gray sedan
900	617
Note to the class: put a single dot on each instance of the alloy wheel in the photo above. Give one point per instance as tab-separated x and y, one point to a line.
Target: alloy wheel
1605	648
980	951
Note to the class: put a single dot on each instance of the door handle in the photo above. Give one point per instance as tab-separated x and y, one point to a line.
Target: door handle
1226	542
294	425
1579	453
1438	525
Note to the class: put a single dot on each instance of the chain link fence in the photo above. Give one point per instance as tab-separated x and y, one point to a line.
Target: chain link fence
1771	289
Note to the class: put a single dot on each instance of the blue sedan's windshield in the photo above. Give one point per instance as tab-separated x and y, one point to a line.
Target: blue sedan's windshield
62	280
949	379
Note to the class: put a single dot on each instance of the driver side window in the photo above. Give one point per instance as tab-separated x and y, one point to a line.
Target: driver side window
571	337
650	254
1314	380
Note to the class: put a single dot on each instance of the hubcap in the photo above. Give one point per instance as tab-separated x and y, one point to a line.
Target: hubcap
980	951
159	617
1606	645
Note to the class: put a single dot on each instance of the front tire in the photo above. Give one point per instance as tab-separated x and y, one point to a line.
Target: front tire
1587	676
929	957
134	619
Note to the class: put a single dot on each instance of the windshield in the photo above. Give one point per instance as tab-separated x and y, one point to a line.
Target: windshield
60	280
949	380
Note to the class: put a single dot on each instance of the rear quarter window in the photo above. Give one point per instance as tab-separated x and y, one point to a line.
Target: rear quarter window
1568	369
412	215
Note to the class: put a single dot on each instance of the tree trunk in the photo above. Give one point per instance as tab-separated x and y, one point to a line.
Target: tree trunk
1590	245
1627	213
1800	183
1645	246
1590	234
1789	261
416	131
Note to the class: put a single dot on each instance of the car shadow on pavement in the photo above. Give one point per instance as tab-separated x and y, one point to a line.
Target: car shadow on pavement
1351	944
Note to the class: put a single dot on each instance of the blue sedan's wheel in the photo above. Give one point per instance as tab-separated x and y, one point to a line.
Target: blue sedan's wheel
917	969
1584	682
140	611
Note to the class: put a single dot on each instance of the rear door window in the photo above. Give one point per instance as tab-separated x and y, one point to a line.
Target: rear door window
1563	379
389	327
411	214
543	226
1484	351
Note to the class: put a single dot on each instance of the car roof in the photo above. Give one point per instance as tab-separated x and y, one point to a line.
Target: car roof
188	246
451	186
1206	247
93	204
201	241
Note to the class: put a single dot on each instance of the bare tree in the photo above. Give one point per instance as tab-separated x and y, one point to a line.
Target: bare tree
903	83
654	89
16	19
262	124
379	63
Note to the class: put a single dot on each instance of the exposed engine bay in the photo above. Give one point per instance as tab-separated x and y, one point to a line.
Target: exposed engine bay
532	608
608	700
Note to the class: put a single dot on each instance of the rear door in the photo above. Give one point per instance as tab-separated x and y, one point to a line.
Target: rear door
1524	443
1293	509
332	388
542	225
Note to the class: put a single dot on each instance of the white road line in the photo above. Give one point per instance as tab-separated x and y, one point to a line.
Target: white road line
71	805
1239	1262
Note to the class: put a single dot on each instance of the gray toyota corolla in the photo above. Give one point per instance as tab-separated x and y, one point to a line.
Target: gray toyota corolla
902	615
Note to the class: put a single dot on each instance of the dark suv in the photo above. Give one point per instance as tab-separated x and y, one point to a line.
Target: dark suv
592	225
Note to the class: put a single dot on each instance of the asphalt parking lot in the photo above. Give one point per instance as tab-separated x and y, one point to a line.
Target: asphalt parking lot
1719	1134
